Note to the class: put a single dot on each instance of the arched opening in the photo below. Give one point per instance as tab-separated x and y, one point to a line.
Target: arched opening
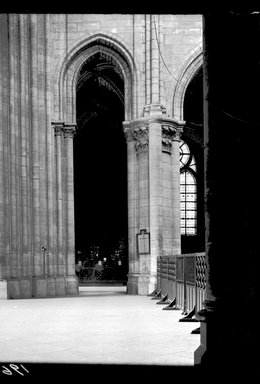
100	169
192	169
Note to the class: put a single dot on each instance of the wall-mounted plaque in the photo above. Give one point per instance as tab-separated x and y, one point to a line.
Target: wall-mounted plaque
143	242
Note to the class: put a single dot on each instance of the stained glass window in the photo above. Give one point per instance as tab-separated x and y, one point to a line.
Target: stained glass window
188	191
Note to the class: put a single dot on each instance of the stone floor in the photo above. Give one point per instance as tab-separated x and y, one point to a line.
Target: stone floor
103	325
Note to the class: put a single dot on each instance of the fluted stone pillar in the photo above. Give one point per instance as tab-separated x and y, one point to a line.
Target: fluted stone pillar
4	163
71	280
60	281
66	281
229	327
153	158
142	149
132	189
36	167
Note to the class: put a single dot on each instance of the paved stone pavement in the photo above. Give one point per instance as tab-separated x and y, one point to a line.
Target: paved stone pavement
103	325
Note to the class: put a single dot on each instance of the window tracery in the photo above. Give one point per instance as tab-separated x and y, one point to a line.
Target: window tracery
188	191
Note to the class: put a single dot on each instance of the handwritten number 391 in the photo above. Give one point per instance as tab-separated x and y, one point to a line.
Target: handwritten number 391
14	367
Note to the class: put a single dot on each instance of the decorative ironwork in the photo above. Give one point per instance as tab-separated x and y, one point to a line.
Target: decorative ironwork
190	270
201	267
179	268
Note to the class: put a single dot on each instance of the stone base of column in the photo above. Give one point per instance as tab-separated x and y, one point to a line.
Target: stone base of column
227	342
132	283
3	290
72	285
39	287
19	288
146	284
60	286
51	286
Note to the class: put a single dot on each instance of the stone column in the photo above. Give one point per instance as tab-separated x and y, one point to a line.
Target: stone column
50	166
39	282
155	58
141	134
229	327
156	201
147	59
132	180
60	262
25	284
13	129
71	279
4	153
152	193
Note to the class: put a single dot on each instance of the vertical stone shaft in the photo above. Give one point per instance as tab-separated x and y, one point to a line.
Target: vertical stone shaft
52	265
143	188
42	139
161	65
155	181
132	216
37	256
155	87
25	155
4	149
232	245
69	132
58	138
13	121
147	59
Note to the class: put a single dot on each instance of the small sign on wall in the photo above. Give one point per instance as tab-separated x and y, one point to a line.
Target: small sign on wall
143	242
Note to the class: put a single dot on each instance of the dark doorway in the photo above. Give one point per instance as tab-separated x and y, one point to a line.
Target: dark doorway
100	168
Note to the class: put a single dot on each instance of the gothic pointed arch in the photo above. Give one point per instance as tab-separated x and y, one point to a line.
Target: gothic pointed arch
192	64
115	52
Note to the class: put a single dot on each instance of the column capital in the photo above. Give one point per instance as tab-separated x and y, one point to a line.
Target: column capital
170	133
69	131
138	130
58	127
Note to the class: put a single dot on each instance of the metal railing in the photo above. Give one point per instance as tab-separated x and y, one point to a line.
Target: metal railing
182	279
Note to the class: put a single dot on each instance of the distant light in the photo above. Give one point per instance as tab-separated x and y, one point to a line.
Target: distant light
114	30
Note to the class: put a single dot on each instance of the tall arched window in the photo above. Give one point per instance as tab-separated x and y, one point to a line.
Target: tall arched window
188	191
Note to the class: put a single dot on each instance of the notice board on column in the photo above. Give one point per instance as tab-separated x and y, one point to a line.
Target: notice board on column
143	242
